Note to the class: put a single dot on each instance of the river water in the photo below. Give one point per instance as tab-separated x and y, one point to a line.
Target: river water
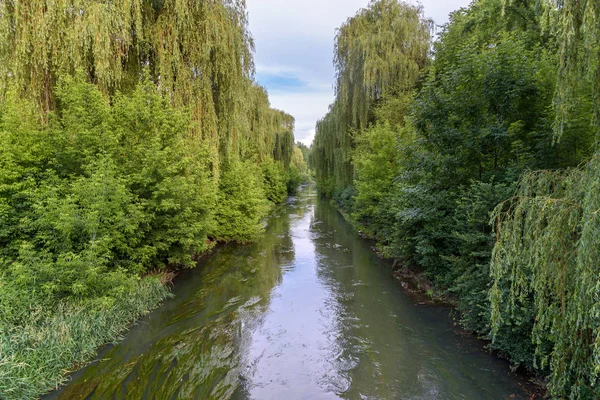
306	312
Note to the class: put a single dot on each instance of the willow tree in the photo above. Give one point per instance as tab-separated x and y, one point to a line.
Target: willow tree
186	44
547	259
378	53
43	40
579	56
199	54
264	131
547	256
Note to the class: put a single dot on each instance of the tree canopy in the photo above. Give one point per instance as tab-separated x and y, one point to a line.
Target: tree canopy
421	152
132	139
378	53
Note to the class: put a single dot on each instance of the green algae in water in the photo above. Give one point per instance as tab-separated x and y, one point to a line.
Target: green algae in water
308	311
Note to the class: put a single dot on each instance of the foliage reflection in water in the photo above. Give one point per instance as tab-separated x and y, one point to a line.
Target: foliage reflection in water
308	311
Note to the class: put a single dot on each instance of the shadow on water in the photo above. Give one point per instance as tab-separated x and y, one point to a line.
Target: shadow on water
306	312
391	348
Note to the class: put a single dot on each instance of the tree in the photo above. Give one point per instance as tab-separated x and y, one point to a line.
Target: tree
379	52
545	260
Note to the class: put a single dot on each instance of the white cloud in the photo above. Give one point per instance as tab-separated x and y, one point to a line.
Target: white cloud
277	69
306	107
294	39
309	136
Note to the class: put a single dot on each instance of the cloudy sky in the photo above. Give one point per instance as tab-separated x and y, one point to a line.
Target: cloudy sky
294	50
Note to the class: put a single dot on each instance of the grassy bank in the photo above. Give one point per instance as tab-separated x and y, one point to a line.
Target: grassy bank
35	355
124	161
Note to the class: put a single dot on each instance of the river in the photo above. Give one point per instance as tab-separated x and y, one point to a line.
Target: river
306	312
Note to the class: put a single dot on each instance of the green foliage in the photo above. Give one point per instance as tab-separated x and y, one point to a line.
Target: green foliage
423	167
471	260
241	205
546	263
306	152
376	166
495	102
105	187
168	173
380	52
480	116
207	69
275	182
267	132
578	26
298	171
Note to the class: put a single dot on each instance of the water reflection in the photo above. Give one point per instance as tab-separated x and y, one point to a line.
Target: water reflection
392	349
193	345
292	353
376	355
307	312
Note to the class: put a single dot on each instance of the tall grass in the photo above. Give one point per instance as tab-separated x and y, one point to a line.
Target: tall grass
36	355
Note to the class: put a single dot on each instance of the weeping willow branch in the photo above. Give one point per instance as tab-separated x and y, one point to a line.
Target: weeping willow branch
380	52
197	52
548	253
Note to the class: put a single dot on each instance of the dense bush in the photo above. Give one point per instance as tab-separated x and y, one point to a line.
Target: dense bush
105	188
275	181
434	157
38	348
241	204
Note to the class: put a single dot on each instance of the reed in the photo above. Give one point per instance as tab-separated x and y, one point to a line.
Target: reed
36	356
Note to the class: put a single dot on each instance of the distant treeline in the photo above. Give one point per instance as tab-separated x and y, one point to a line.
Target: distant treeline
476	164
132	137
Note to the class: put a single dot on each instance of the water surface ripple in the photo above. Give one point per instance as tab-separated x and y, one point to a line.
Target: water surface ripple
306	312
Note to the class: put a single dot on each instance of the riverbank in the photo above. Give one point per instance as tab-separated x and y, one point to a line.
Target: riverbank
423	292
307	310
36	356
51	339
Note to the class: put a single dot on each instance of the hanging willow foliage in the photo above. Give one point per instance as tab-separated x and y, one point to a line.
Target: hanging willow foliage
579	60
378	53
198	53
548	253
187	44
265	129
45	39
576	25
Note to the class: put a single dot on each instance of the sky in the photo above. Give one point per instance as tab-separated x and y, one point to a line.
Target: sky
294	51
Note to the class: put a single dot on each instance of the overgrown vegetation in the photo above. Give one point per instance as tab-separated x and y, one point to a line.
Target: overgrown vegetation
132	137
49	341
420	150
